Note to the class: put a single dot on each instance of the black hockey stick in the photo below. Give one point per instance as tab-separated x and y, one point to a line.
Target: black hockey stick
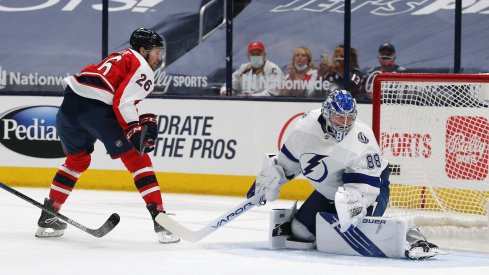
100	232
142	145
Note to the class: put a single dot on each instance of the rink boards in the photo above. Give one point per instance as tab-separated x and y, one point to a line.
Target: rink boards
204	146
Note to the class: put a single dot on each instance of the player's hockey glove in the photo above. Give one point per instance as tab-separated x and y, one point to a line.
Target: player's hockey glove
350	208
139	138
149	120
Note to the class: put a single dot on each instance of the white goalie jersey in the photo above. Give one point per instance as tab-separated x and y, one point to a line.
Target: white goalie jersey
327	163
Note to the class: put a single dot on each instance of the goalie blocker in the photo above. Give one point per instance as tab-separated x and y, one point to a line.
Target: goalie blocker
374	236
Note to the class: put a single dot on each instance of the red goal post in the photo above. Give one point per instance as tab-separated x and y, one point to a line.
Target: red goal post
434	131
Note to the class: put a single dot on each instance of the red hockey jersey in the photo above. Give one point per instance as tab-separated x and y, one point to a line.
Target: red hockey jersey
122	80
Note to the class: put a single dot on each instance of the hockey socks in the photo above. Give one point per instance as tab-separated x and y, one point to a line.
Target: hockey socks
144	177
66	177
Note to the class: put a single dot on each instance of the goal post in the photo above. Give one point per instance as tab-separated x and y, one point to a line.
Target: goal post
434	131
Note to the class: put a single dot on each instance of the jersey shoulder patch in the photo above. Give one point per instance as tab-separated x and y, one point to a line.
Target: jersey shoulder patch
362	138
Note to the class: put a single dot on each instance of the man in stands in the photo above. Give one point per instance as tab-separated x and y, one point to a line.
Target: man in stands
259	77
100	103
387	61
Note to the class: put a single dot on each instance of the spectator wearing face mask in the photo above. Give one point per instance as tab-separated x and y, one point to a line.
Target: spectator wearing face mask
259	77
332	72
301	76
387	61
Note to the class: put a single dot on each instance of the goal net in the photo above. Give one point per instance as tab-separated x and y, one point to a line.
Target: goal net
434	131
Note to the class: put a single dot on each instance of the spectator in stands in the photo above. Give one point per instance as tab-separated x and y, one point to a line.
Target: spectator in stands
301	76
387	61
333	73
259	77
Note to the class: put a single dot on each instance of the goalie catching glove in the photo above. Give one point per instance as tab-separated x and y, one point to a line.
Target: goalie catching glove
270	179
349	207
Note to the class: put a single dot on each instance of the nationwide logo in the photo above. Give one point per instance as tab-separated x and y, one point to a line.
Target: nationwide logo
467	147
32	79
3	78
31	131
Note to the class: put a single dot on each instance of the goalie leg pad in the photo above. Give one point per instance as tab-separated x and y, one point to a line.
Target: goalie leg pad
373	237
279	228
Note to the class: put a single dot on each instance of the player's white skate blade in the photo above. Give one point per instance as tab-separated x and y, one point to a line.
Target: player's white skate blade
165	237
48	233
418	253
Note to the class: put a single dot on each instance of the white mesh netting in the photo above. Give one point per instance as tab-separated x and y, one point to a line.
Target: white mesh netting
435	135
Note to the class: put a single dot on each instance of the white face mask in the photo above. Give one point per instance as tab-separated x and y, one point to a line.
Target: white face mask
256	61
300	68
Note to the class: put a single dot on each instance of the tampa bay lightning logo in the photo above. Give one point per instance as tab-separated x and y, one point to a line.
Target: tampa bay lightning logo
362	138
313	166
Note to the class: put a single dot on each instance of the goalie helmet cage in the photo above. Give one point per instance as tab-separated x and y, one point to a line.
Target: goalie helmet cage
434	131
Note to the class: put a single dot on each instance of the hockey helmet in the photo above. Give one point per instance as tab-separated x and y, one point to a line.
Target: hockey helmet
340	111
146	38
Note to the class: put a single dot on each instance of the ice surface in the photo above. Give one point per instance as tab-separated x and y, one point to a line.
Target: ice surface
132	248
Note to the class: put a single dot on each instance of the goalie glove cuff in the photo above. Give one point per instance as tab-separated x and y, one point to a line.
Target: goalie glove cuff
349	207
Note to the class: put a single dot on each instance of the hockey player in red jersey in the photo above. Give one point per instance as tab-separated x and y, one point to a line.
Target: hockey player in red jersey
100	103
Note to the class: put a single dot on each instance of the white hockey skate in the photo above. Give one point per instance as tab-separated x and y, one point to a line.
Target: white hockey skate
164	236
423	250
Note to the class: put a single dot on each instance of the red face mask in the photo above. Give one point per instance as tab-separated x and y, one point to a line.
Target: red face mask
387	60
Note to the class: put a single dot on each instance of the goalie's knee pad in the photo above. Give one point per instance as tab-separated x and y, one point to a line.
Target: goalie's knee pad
300	231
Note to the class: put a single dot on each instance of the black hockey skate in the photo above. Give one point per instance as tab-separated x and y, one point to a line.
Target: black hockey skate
423	250
164	236
49	225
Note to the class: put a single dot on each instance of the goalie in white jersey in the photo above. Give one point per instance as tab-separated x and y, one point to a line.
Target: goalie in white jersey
340	157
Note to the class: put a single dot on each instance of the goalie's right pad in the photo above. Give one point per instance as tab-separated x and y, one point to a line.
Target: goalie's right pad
373	237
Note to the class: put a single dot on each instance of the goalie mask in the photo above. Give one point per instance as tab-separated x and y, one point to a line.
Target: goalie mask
340	111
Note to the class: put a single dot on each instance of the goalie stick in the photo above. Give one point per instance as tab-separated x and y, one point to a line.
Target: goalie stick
100	232
194	236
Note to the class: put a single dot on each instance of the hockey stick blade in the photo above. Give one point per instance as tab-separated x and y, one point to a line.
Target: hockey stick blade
100	232
194	236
